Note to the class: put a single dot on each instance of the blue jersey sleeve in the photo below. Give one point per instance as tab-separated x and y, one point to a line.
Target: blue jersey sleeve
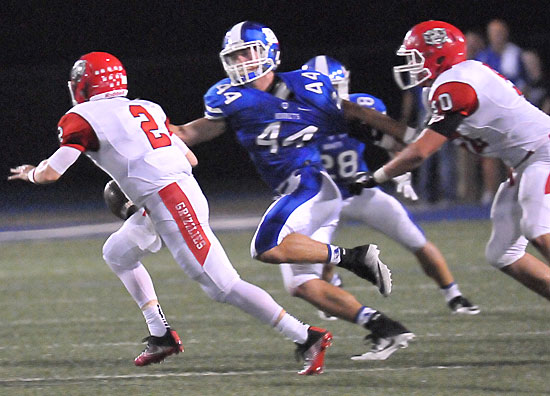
217	98
369	101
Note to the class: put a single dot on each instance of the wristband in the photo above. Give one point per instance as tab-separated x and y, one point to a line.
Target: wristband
30	176
380	176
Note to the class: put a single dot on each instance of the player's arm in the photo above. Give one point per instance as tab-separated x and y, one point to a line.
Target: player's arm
413	155
49	170
199	131
451	103
379	121
76	136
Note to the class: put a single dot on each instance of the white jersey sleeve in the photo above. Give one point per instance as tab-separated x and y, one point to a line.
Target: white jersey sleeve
495	119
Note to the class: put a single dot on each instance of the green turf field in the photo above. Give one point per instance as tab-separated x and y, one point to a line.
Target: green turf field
70	328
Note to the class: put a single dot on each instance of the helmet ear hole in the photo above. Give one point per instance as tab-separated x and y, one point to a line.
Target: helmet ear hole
440	60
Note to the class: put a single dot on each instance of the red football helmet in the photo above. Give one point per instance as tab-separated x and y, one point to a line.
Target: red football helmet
430	48
97	75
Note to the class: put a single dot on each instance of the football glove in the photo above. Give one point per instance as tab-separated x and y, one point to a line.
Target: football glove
360	181
404	186
117	201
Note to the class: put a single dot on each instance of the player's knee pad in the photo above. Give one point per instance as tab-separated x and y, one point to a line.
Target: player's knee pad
110	252
214	291
119	255
500	256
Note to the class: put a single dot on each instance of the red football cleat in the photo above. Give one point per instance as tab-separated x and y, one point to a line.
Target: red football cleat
158	348
313	350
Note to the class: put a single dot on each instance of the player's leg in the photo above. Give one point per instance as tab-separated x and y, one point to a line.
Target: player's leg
532	273
284	234
506	247
542	244
387	335
123	252
180	215
386	214
534	199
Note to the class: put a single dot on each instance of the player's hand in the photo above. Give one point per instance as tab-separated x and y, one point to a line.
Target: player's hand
360	181
117	201
21	172
404	186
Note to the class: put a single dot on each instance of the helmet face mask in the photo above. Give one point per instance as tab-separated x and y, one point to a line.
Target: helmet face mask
97	75
413	72
429	49
250	51
336	71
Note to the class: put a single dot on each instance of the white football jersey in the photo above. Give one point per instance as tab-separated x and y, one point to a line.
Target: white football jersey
132	143
497	120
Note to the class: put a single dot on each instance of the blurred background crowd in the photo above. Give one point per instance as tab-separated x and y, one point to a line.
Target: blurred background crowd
454	174
170	50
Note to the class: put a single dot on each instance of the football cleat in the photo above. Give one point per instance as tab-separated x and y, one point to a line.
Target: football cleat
387	336
158	348
313	350
461	305
365	263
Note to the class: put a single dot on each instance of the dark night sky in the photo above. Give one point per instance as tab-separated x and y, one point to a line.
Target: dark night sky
170	50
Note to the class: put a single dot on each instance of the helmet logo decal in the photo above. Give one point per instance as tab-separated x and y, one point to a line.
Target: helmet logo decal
78	70
436	36
269	35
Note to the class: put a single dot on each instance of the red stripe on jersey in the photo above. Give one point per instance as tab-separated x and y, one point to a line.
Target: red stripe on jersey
455	97
547	188
74	131
179	206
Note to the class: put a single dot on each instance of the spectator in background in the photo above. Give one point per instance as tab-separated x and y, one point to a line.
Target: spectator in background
505	57
475	43
536	89
501	54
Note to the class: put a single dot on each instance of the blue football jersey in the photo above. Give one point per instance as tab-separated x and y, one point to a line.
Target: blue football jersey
280	129
342	155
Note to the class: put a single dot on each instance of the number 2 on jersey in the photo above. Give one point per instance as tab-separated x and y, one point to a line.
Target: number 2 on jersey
149	126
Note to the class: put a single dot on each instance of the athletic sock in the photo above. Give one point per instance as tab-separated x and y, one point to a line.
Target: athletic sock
292	328
156	322
450	291
364	315
334	254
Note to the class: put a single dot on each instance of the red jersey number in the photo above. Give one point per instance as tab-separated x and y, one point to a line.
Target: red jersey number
149	126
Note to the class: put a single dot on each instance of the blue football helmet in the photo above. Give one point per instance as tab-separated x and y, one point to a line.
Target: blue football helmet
337	72
250	51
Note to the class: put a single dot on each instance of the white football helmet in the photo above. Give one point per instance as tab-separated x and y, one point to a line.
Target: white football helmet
337	72
250	51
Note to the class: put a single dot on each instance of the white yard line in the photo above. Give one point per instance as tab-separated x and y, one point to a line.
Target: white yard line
8	381
92	230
